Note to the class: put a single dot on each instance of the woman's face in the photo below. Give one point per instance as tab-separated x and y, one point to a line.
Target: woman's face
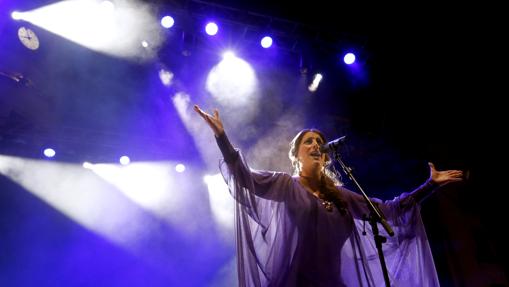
309	155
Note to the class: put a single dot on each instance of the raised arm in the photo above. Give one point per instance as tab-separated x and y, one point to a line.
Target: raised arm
436	179
216	125
239	177
214	122
392	208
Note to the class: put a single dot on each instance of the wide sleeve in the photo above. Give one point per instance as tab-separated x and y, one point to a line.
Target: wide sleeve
395	209
246	185
265	236
407	254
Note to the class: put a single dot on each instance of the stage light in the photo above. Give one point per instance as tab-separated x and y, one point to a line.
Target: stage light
124	160
180	167
16	15
228	56
87	165
233	82
349	58
100	25
266	42
211	28
49	152
316	82
167	22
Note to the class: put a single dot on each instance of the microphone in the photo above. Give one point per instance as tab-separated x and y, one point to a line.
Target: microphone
332	145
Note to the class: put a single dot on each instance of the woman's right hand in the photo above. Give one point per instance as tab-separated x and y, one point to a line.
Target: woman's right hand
212	120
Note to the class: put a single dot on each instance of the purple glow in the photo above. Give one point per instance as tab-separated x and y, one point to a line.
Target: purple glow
266	42
211	28
349	58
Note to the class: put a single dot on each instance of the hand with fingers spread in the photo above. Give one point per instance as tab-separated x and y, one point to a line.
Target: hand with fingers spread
213	121
445	176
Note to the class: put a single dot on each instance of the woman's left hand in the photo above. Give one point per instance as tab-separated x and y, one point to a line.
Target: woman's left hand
445	176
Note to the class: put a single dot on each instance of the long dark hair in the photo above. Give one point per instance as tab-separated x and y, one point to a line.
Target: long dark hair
329	180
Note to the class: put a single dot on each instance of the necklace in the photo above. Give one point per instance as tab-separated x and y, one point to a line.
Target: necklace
326	203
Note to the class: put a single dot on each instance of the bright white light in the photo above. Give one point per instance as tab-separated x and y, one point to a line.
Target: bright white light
266	42
80	195
228	55
124	160
49	152
101	26
349	58
180	167
16	15
166	77
107	7
167	22
211	28
144	183
316	82
181	101
233	82
221	202
153	186
87	165
107	201
144	44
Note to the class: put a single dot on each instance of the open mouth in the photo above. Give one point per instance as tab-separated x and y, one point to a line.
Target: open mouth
315	154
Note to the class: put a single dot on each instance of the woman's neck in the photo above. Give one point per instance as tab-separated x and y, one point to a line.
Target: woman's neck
310	180
314	174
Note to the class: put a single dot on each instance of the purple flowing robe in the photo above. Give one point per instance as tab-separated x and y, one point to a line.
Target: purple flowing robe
286	237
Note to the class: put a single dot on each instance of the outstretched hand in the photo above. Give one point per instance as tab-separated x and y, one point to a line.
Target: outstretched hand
213	121
445	176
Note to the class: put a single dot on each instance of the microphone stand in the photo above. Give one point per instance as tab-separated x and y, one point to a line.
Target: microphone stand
375	216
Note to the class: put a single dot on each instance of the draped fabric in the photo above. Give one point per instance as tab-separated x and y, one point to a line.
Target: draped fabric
285	236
